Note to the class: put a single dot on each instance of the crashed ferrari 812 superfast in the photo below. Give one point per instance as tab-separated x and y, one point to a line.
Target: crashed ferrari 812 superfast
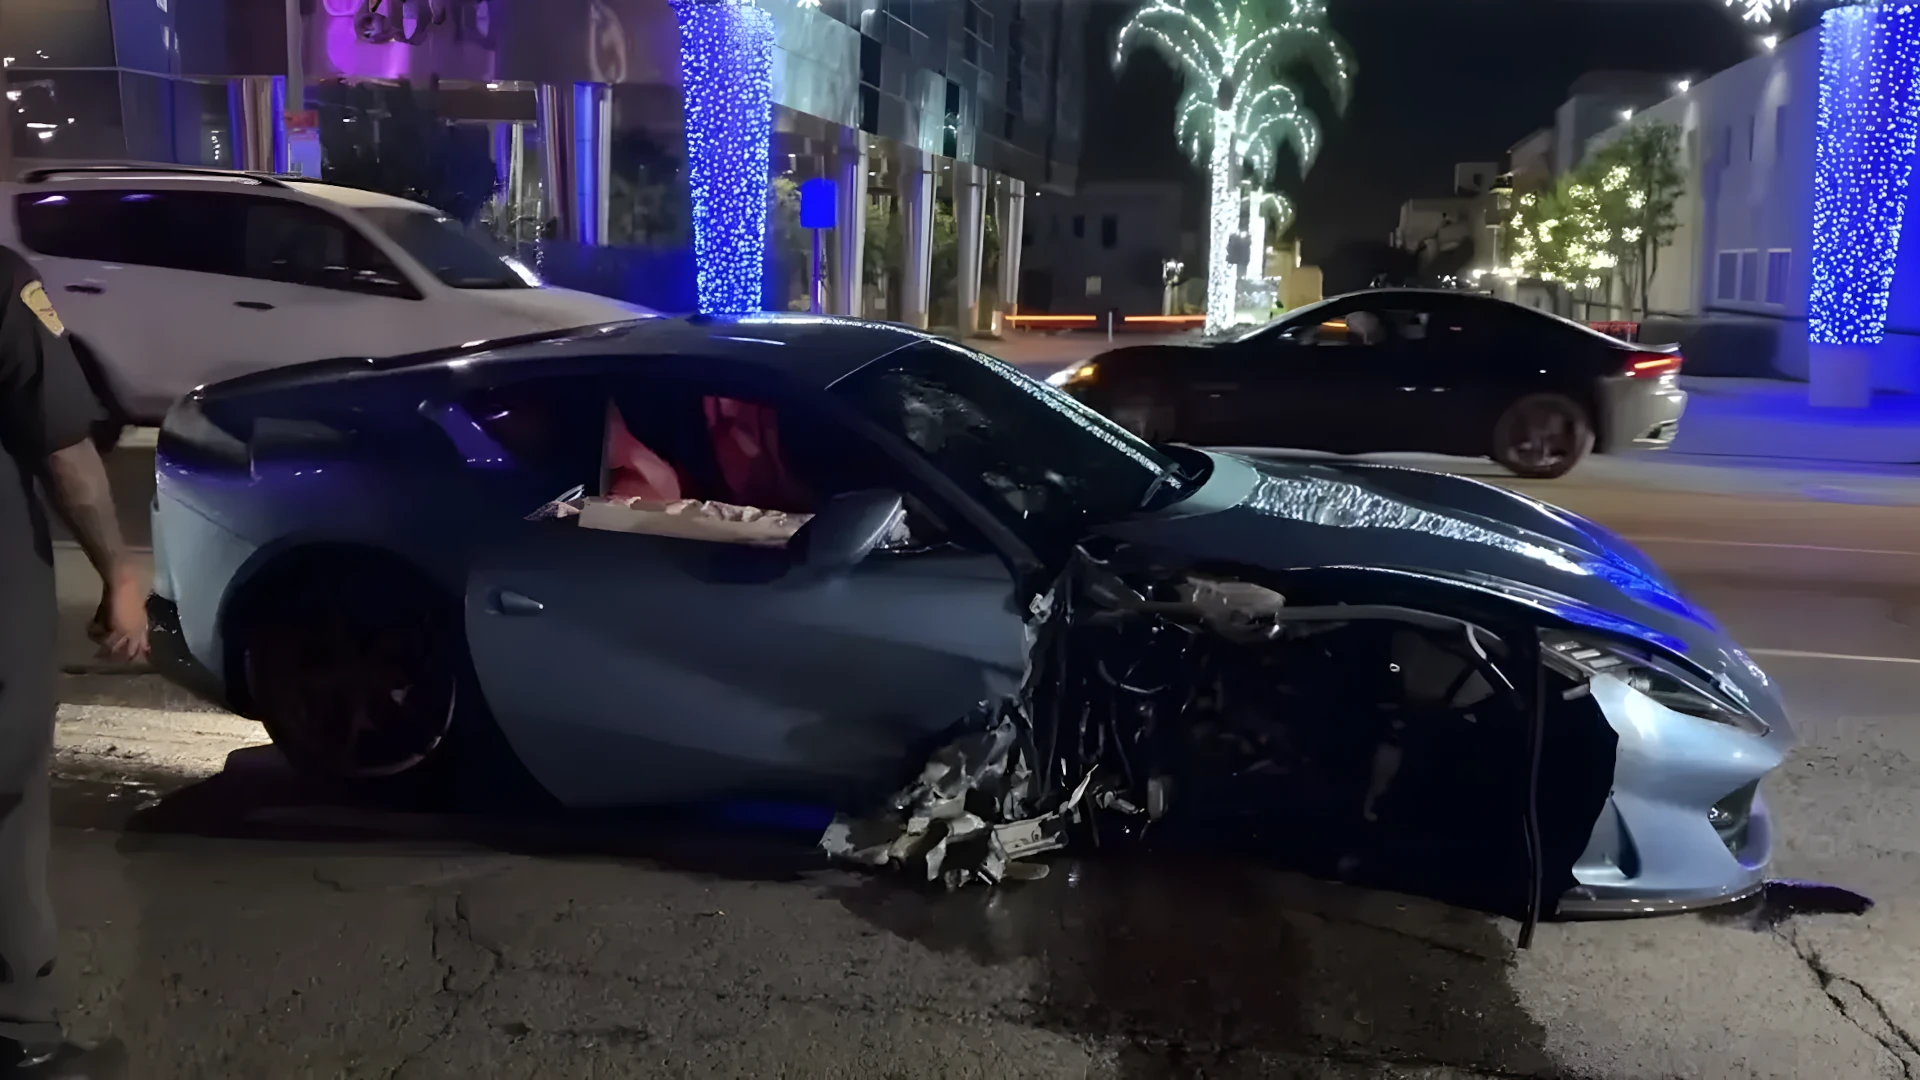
673	561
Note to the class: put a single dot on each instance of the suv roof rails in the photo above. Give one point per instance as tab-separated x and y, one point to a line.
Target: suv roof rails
35	176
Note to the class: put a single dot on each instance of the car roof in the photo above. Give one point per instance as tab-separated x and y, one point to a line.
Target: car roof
109	175
816	350
356	198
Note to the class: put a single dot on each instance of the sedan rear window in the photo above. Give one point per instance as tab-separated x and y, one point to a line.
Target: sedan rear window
458	256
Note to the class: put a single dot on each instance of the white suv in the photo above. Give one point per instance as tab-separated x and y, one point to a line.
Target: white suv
171	277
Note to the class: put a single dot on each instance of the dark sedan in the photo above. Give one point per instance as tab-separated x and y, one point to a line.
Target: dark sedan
1398	370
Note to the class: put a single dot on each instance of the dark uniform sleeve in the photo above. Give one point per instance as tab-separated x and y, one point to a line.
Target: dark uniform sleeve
45	402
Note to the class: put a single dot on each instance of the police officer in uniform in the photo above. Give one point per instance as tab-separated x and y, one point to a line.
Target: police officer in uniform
47	412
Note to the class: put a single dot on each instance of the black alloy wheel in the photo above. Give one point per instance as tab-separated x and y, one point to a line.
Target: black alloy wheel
1542	436
355	680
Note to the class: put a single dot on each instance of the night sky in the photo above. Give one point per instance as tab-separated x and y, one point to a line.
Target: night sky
1438	81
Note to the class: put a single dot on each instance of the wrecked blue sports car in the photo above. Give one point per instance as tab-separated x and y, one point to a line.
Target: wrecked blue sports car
668	561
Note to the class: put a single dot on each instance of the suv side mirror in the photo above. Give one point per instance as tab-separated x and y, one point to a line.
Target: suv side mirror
846	531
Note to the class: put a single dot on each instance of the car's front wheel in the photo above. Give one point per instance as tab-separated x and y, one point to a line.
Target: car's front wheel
1542	436
357	667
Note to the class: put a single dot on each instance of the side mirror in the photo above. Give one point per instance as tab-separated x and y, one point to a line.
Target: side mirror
846	531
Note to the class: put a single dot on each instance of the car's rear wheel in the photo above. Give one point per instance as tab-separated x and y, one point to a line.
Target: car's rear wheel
1542	436
357	666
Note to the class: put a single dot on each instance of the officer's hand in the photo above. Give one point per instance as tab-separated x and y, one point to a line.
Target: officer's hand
120	623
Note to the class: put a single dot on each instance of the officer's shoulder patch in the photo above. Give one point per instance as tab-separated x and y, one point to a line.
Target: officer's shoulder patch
35	297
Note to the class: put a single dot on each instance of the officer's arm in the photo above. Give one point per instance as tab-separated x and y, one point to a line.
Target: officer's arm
35	342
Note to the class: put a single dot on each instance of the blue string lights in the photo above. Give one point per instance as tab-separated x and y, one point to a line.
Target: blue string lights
1863	160
726	66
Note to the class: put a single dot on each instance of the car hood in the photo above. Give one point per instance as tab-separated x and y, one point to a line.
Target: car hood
1431	528
550	308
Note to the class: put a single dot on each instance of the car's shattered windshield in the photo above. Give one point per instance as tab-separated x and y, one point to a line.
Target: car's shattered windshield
1036	458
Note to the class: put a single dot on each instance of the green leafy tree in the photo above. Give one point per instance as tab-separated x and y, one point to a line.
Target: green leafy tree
1560	236
1640	174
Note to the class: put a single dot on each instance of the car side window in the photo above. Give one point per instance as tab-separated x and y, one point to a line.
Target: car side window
304	245
667	440
1356	327
207	232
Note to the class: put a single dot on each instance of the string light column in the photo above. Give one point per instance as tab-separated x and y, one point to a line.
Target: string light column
1863	160
726	66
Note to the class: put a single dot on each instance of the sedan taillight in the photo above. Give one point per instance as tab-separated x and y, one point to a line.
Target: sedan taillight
1646	365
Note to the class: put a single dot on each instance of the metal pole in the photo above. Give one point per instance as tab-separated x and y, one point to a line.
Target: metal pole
1109	326
815	306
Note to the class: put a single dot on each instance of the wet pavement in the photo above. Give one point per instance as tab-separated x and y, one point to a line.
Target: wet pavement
226	919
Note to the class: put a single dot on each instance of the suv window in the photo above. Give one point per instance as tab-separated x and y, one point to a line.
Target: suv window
253	236
460	257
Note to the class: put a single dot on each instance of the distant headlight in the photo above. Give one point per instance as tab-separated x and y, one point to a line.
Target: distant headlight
1666	683
1073	376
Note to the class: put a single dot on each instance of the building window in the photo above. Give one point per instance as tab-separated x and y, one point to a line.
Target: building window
1093	286
1779	261
1109	230
1753	133
1749	276
1779	133
1079	227
1726	143
1726	280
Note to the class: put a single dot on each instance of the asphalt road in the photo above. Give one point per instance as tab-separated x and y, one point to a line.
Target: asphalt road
226	921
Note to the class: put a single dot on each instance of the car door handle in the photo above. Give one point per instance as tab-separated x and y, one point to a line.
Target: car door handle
508	602
253	305
1215	387
91	290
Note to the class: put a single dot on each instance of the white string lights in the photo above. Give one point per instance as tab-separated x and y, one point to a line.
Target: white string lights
1863	160
1228	54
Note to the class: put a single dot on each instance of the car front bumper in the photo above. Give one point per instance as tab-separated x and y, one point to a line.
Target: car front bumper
1641	411
168	652
1686	826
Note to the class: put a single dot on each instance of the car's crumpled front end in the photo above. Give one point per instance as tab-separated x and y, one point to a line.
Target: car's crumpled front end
1474	698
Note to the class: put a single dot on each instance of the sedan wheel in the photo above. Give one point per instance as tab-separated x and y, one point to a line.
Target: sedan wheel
353	687
1542	436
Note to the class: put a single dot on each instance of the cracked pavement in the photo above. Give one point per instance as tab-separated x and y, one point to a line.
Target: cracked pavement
224	920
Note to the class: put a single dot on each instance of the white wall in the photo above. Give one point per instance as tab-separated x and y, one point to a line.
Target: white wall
1747	149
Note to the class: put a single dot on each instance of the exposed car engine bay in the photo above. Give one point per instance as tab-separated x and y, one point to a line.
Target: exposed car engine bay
1379	745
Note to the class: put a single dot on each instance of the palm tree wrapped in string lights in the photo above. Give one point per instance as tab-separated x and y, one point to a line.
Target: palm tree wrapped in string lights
1229	54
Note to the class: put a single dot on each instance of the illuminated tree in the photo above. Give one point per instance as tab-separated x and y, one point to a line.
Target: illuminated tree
1641	183
1559	236
1229	54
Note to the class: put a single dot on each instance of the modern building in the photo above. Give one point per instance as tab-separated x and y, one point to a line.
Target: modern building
1453	233
1740	253
1103	249
963	107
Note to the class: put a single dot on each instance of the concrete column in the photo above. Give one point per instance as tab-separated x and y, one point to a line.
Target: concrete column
1840	376
847	257
576	141
593	157
916	213
970	225
257	109
1013	226
554	107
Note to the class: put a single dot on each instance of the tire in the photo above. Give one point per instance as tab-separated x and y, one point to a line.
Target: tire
358	668
1542	436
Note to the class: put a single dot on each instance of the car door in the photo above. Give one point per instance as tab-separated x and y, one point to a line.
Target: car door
1315	385
627	668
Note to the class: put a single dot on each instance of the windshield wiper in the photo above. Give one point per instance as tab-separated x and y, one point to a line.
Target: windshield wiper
1154	488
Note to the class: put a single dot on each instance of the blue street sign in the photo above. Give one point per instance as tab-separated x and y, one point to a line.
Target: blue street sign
816	204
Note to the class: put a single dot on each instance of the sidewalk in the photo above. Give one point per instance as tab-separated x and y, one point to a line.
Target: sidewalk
1770	418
